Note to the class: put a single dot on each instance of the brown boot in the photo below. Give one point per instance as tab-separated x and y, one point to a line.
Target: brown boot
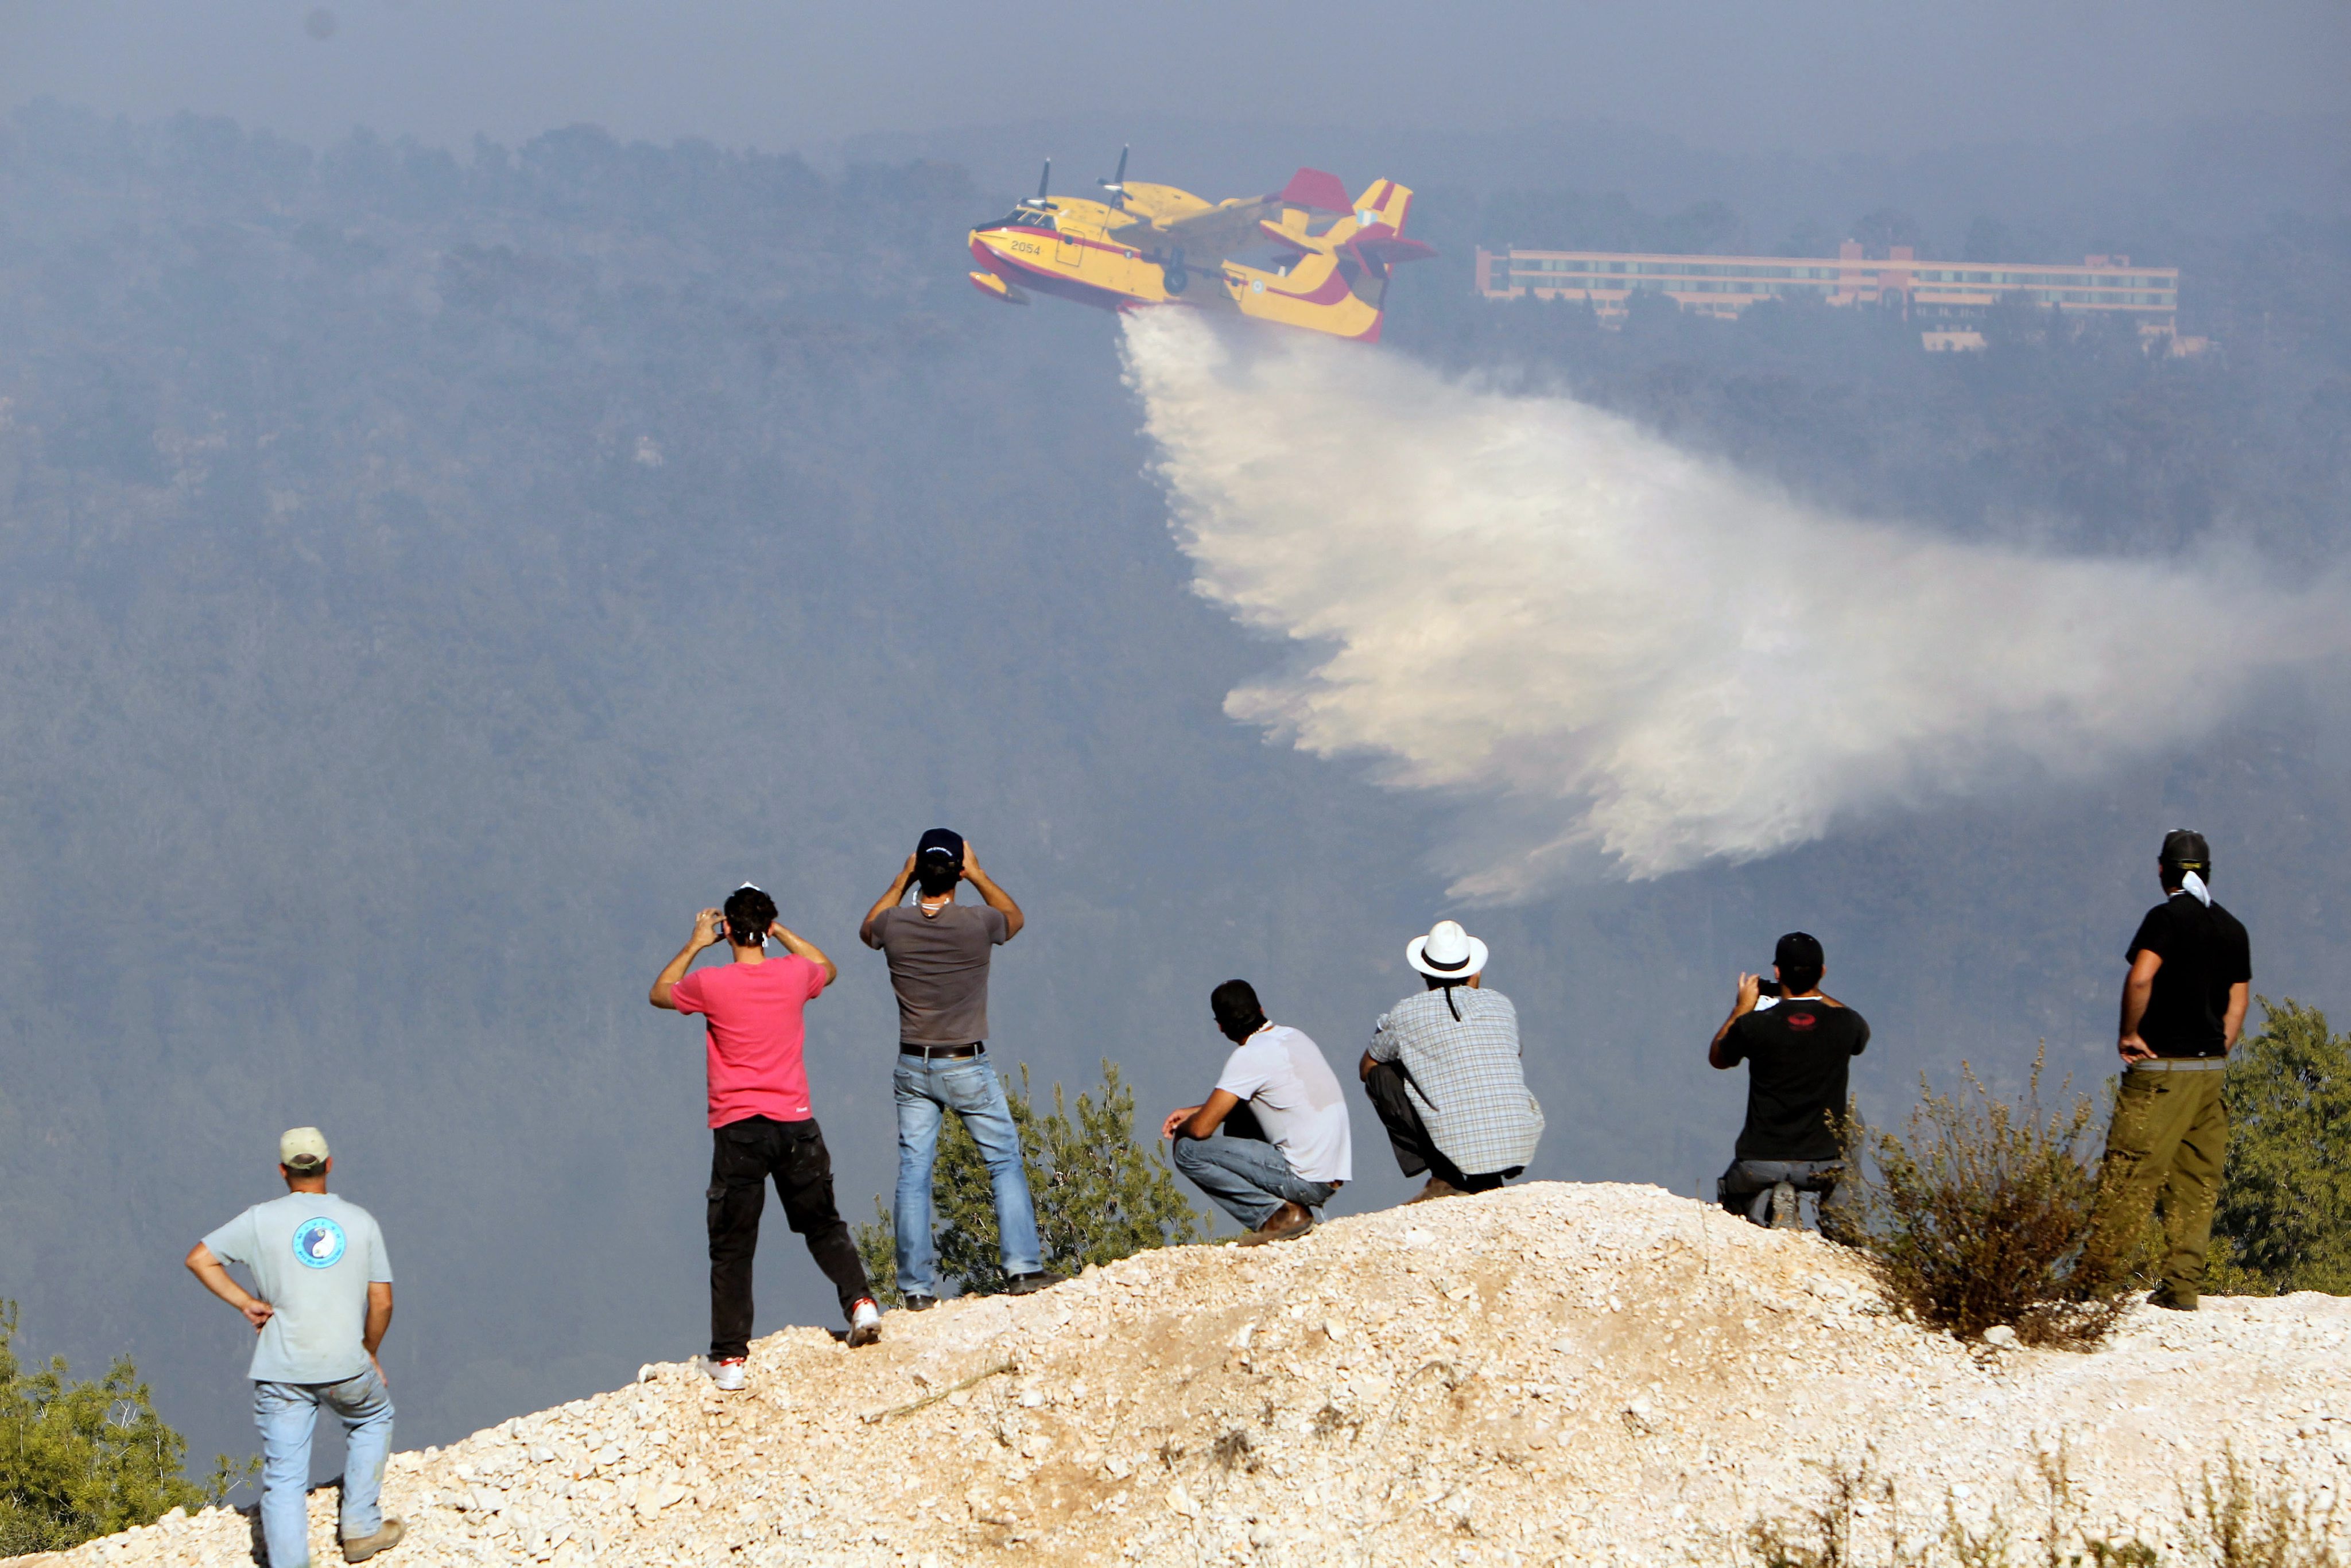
384	1539
1289	1221
1437	1187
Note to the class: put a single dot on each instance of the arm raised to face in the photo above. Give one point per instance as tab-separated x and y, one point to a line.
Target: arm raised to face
994	896
706	933
1751	990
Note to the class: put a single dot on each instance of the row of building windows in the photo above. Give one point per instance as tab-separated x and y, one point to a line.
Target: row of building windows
2100	297
1979	277
2047	279
2143	299
1664	285
1667	268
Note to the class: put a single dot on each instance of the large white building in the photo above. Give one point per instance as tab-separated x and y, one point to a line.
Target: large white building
1947	300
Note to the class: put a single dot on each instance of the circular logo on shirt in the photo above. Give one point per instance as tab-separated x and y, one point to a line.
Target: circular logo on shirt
319	1243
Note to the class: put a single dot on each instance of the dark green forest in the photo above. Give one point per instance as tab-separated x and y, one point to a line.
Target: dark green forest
426	578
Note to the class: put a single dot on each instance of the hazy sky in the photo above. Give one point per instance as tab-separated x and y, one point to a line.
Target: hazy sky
1810	75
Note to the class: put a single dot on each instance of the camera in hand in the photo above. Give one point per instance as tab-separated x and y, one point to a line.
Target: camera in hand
1767	987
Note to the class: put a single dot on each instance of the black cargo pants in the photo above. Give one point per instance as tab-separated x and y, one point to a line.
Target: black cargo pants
743	1155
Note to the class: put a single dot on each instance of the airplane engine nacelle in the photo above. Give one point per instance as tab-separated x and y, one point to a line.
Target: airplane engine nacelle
995	288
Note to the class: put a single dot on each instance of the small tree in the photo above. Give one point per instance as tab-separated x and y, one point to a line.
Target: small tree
1880	231
84	1459
1985	1213
2284	1222
1100	1195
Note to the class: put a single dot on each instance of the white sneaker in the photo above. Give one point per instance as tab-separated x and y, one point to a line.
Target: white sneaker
865	1323
726	1374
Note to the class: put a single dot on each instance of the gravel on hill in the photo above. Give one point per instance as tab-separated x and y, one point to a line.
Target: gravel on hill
1553	1374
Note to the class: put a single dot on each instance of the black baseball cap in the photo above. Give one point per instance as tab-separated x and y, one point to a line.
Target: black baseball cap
2186	849
943	842
1799	950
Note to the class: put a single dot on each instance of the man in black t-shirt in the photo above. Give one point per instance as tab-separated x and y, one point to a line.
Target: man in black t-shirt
1797	1045
2191	973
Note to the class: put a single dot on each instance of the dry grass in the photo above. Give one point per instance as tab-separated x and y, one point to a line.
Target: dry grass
2237	1519
1834	1532
1983	1213
2231	1517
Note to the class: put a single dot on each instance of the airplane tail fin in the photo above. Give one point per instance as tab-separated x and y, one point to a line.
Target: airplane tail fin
1338	282
1379	217
1383	205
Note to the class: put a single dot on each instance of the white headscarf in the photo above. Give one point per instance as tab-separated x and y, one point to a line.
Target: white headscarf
2193	886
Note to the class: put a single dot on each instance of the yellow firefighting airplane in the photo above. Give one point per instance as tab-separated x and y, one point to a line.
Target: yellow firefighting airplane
1155	245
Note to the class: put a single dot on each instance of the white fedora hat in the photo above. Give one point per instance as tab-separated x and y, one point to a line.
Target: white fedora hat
1446	953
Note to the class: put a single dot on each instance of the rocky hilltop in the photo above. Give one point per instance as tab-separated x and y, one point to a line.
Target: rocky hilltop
1554	1373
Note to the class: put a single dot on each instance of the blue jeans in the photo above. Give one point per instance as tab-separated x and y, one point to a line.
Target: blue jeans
1248	1178
1746	1188
967	1085
286	1413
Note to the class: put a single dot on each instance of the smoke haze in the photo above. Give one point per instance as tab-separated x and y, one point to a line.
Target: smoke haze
1632	655
428	578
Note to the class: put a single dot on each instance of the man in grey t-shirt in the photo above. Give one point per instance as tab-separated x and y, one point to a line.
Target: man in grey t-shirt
939	952
320	1303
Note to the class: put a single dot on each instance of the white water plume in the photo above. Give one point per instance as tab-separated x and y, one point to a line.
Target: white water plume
1617	647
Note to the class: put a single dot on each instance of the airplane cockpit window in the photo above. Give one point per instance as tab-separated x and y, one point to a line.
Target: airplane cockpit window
1027	218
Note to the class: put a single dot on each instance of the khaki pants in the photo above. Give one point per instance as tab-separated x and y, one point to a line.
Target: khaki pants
2164	1154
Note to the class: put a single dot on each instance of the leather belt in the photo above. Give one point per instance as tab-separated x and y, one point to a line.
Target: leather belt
943	1052
2182	1064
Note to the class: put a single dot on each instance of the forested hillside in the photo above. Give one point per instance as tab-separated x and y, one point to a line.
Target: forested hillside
424	579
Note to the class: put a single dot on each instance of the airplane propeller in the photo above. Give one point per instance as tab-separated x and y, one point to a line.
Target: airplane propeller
1116	183
1038	202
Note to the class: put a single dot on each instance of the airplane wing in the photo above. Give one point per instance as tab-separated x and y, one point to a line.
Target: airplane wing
1231	227
1317	188
1219	231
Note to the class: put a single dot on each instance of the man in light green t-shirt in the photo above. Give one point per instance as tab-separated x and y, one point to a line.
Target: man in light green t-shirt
320	1303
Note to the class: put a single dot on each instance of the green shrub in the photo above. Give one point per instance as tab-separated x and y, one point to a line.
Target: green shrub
84	1459
1100	1195
1983	1213
2284	1222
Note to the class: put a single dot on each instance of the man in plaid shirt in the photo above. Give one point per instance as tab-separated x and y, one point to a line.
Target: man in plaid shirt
1443	1072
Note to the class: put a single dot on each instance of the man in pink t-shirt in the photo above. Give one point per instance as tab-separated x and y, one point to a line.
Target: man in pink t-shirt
761	1124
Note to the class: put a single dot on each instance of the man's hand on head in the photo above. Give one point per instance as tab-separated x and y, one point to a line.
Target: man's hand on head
992	896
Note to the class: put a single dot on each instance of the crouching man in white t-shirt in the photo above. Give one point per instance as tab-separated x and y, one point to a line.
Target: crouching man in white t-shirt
1282	1157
